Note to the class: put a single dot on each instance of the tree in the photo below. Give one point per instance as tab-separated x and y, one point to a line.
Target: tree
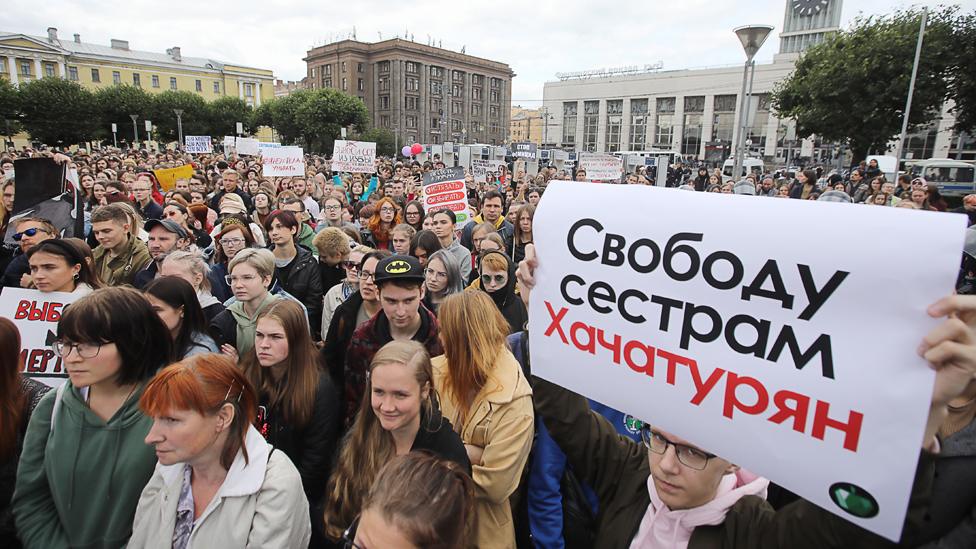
313	117
56	111
9	108
852	87
963	78
196	117
384	139
225	113
114	104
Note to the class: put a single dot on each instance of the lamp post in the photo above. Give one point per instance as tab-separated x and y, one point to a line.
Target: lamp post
752	38
179	125
135	130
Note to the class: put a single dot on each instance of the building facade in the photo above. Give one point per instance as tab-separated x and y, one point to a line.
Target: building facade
283	88
422	93
696	111
24	57
529	125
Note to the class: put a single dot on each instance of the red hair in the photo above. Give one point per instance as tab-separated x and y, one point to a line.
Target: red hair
203	384
380	232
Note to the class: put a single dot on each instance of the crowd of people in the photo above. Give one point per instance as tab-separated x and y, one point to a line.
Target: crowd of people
321	361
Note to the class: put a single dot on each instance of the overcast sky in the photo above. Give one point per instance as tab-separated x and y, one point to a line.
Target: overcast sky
537	39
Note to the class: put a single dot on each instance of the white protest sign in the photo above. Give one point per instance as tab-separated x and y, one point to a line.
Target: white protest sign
445	188
752	347
601	167
267	145
230	142
248	145
283	161
481	168
36	315
199	144
354	157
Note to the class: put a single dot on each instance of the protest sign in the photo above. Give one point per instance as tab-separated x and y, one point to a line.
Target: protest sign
198	144
601	167
526	151
36	315
230	142
751	347
167	177
267	145
354	157
283	161
248	146
445	188
42	192
481	168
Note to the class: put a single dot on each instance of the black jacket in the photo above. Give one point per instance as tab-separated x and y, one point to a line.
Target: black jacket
441	441
215	201
507	301
145	276
15	270
339	335
310	447
302	280
223	329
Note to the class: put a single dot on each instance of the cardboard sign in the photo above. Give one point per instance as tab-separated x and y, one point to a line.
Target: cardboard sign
445	189
354	157
36	315
248	146
481	168
283	161
752	348
198	144
526	151
230	143
601	167
167	178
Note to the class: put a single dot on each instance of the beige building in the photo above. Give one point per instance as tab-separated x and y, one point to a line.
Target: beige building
530	125
284	88
422	93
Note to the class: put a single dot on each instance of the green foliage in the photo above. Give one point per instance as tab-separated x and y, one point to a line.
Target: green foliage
852	88
9	107
196	115
384	139
314	117
114	104
962	87
57	111
225	113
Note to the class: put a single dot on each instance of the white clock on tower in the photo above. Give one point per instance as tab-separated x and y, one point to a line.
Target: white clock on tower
809	7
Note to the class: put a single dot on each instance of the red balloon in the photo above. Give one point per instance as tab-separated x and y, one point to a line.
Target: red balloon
416	148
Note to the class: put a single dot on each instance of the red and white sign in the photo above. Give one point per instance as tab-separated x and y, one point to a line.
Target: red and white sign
445	188
36	315
283	161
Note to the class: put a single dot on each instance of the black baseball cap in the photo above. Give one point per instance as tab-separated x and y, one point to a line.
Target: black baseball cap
399	267
167	224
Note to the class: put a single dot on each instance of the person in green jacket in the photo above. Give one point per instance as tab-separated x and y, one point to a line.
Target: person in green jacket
669	493
85	460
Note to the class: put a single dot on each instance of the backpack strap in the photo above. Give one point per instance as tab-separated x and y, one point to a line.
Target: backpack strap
59	395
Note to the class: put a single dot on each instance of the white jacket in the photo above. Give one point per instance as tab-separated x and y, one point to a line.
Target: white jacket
261	504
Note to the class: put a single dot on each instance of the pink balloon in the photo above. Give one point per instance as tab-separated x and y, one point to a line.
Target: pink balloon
405	151
416	148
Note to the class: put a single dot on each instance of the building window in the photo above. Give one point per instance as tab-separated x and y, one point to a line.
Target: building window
412	84
384	102
136	80
723	122
456	125
384	121
477	79
664	123
155	80
493	111
496	83
410	122
25	69
49	69
435	106
383	84
475	110
691	133
435	123
412	67
360	67
95	76
216	87
73	74
360	84
591	123
436	72
384	66
342	67
172	83
457	76
455	107
638	124
248	90
326	82
455	90
493	96
345	86
411	102
313	72
476	94
327	70
569	122
436	88
199	85
615	118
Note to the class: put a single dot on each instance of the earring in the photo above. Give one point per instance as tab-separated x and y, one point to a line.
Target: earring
76	276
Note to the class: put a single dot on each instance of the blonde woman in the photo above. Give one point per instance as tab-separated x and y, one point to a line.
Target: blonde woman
487	398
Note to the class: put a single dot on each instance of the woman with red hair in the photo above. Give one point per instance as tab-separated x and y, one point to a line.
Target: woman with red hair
386	215
217	483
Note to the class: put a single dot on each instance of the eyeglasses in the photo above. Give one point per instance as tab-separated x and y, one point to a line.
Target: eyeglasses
366	276
30	232
230	280
232	241
498	279
387	210
351	265
333	208
348	541
440	275
687	456
413	214
84	350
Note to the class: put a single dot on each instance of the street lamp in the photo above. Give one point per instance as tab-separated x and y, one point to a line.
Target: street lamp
179	125
135	130
752	38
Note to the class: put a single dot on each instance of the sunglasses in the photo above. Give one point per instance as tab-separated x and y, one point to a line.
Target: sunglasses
29	232
498	279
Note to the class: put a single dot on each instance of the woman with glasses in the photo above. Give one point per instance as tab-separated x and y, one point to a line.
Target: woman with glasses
339	293
62	265
496	276
85	461
175	301
399	414
331	214
218	482
233	238
485	395
414	215
376	233
251	273
442	277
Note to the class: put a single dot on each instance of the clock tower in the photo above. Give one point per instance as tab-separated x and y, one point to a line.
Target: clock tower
807	22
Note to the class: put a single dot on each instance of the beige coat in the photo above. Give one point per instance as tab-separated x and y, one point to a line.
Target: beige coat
259	505
500	420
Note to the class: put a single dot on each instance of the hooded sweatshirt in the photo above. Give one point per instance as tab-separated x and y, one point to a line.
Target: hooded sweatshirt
246	324
506	299
78	484
662	528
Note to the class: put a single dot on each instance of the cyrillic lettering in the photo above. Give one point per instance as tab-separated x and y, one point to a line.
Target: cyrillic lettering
590	345
655	255
648	366
613	244
733	261
851	429
556	319
622	305
801	405
589	256
563	289
816	298
771	271
820	346
732	383
688	327
758	349
615	346
603	291
670	250
666	305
